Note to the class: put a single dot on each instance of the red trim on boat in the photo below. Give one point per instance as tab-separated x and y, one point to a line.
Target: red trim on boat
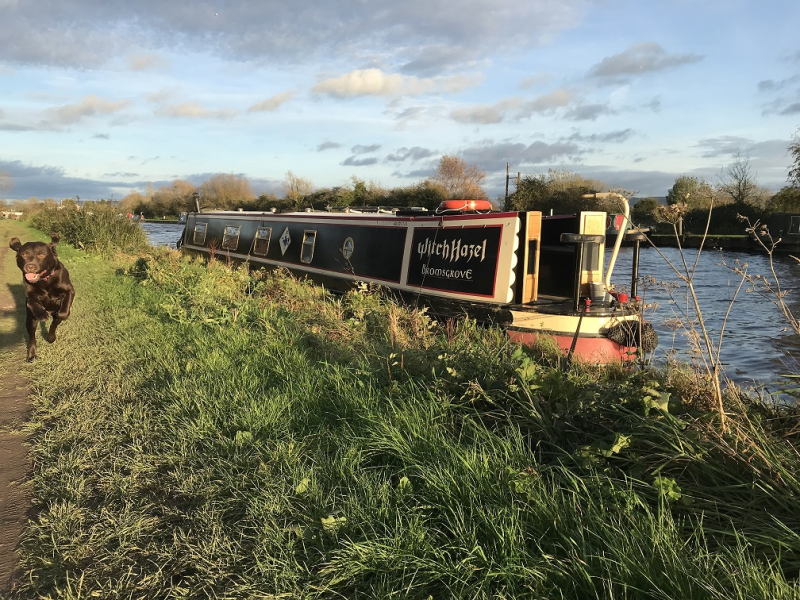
590	349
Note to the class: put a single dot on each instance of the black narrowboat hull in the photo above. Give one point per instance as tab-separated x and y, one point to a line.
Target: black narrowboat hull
506	268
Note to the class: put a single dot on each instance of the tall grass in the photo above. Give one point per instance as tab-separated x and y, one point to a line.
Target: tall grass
96	227
200	431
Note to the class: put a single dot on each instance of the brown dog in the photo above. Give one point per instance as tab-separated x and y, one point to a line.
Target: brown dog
48	290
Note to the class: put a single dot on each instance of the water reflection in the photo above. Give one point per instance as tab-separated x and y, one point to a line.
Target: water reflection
757	344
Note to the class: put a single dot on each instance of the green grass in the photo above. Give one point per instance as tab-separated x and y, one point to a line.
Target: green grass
200	432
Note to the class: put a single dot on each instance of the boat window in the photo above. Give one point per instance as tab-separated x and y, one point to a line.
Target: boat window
230	241
200	233
347	248
307	251
794	226
261	241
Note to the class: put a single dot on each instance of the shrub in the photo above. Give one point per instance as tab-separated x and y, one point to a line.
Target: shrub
98	228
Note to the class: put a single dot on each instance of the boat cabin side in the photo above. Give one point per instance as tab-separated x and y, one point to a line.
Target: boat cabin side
500	258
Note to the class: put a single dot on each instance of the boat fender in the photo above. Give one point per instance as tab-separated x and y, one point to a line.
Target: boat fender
633	335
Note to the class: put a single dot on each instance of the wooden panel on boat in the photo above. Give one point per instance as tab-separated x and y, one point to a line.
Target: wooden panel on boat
592	223
530	269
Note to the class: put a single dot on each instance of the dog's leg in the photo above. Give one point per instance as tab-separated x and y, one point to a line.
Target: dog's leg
51	335
30	325
66	305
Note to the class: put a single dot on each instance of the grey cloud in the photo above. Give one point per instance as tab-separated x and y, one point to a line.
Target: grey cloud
493	156
15	127
362	149
727	145
432	60
587	112
101	136
352	161
484	114
51	182
771	85
618	136
35	32
328	146
413	154
654	105
513	108
792	109
411	112
768	157
416	173
639	59
121	174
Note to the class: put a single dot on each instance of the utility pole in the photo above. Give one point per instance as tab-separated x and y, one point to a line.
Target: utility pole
506	207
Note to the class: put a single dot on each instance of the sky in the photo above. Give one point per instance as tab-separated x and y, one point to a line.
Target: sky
102	97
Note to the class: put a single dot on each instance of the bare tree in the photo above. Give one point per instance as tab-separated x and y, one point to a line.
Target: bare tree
296	188
459	179
226	190
794	170
6	182
738	181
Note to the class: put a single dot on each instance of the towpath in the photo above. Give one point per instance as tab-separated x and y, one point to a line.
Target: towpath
15	492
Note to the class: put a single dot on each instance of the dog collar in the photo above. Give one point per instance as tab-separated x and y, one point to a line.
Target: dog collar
42	277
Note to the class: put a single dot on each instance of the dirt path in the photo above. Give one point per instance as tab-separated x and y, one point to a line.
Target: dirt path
14	406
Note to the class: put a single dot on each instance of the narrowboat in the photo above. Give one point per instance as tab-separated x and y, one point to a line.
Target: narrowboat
533	275
780	226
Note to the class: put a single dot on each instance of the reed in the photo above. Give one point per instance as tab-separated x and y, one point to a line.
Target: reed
200	431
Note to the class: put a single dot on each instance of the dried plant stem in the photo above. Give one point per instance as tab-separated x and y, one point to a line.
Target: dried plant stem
711	354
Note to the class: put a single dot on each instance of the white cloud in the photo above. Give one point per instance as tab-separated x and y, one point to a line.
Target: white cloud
146	62
374	82
193	110
548	102
88	107
486	114
272	103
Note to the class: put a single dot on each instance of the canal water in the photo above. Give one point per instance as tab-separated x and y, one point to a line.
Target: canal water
757	345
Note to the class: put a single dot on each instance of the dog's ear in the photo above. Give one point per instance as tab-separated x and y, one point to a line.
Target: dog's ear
15	244
55	238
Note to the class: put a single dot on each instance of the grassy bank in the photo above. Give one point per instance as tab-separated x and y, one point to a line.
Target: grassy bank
201	432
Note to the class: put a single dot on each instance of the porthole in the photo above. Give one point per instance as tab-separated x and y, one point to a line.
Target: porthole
230	240
347	248
261	241
307	250
200	233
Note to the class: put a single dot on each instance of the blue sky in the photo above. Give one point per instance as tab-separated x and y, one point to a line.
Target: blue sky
102	97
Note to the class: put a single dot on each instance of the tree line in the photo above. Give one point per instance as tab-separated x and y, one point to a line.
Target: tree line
453	178
557	191
734	192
